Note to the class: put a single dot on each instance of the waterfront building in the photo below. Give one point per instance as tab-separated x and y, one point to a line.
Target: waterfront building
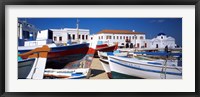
70	35
124	38
133	39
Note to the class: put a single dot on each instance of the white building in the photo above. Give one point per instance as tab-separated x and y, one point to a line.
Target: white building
65	35
134	39
161	41
122	37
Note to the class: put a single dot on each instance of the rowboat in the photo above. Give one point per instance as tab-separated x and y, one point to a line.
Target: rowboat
71	56
125	68
33	67
79	73
108	48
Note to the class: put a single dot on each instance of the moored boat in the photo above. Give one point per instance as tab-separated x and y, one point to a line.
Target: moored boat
124	68
109	48
64	56
79	73
33	67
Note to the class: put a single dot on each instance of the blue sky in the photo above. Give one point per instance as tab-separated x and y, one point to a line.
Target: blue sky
150	26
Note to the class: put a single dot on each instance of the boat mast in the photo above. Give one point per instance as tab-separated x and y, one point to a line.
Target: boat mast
77	28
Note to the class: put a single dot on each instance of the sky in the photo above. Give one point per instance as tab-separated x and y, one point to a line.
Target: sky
150	26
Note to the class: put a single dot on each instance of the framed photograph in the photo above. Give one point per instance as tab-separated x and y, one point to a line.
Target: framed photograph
108	48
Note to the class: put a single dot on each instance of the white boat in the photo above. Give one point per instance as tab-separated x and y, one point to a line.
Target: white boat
103	57
124	68
33	67
78	73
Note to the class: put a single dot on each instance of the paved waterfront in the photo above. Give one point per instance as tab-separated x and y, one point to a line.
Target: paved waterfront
97	70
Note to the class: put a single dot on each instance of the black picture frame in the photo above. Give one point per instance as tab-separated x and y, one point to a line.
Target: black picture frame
97	2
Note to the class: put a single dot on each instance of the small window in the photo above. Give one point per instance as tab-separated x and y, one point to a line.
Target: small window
60	38
69	36
91	38
101	37
79	36
132	37
135	37
55	38
106	37
141	37
120	37
113	37
161	37
110	37
117	37
83	37
124	37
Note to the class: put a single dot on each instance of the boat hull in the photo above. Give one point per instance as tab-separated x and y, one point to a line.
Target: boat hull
120	67
73	56
105	65
81	73
107	49
103	57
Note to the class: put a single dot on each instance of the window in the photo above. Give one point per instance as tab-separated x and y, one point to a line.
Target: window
132	37
83	37
110	37
55	38
69	36
73	36
91	38
79	36
124	37
60	38
101	37
117	37
120	37
135	37
161	37
129	37
113	37
141	37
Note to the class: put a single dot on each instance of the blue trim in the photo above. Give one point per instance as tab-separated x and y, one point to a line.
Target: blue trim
154	63
160	53
148	70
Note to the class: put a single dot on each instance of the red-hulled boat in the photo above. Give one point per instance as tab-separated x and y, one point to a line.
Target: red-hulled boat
72	56
106	48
